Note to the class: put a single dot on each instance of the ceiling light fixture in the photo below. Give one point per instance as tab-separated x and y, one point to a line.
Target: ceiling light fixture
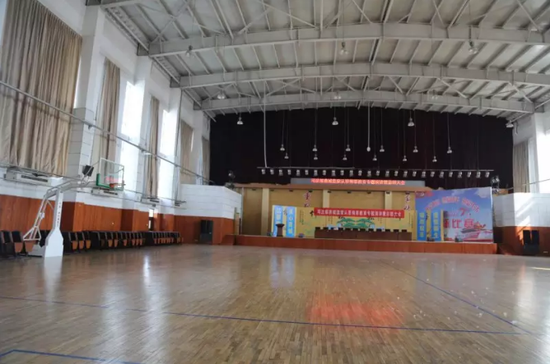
286	156
423	174
334	121
450	173
405	159
333	173
351	173
405	173
263	171
348	149
221	96
459	174
487	174
337	96
360	173
298	173
369	173
315	157
289	171
377	173
435	159
342	173
324	172
240	121
306	172
432	174
478	174
414	173
374	159
469	174
271	171
343	50
282	149
315	173
189	52
441	174
387	174
510	125
280	172
345	157
314	148
411	121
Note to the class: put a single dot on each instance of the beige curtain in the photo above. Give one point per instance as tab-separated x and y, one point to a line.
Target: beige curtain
520	163
206	159
40	55
107	112
151	186
185	155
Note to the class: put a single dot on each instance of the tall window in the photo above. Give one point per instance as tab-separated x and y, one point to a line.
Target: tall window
130	129
167	150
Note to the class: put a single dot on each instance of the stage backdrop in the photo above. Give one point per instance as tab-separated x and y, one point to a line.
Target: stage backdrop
304	220
467	214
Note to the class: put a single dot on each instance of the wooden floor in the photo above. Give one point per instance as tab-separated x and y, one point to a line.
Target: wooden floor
232	304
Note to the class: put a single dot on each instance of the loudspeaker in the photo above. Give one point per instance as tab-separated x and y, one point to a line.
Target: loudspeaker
207	231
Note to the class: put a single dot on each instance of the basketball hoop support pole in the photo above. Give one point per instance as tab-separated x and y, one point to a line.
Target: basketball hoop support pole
53	246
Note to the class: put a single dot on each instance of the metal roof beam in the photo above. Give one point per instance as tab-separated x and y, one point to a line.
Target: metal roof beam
362	70
311	100
359	32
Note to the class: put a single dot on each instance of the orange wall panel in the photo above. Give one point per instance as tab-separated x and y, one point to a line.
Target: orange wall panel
19	213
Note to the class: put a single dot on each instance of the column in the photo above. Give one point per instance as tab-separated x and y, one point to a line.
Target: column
388	200
326	198
88	89
265	212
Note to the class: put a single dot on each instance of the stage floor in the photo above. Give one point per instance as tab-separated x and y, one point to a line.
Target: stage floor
231	304
366	245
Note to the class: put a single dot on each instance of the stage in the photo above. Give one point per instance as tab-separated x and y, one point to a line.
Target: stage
365	245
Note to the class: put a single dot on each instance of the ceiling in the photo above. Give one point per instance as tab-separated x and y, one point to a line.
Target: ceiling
486	57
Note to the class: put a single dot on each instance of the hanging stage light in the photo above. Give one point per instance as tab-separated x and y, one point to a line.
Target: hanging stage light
377	173
369	173
423	174
315	173
315	148
345	158
342	173
469	174
282	149
387	174
449	151
240	121
348	149
289	172
360	173
382	150
441	174
306	172
271	171
415	150
487	174
459	174
315	157
351	173
280	172
297	173
286	156
374	159
333	173
221	95
324	172
478	174
405	173
450	174
435	159
263	171
414	173
396	173
405	159
335	121
432	174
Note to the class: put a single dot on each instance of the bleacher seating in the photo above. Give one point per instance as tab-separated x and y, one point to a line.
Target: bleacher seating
12	244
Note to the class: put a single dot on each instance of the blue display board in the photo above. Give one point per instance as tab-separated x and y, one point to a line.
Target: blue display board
467	213
290	222
421	226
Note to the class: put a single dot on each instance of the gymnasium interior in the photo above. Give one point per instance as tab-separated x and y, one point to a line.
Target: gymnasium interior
274	181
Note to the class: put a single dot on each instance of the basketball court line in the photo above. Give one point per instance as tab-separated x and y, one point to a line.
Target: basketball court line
259	320
460	299
65	356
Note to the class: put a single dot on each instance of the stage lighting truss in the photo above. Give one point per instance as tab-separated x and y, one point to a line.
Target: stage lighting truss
359	173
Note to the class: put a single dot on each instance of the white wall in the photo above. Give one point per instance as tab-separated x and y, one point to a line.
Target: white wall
209	201
522	209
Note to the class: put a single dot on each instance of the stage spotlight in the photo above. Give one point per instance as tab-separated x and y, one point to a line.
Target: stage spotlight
369	174
441	174
280	172
324	172
450	173
495	182
263	171
459	174
423	175
405	173
360	173
487	174
333	173
315	173
478	174
351	173
387	174
396	173
414	173
432	174
298	173
289	172
272	171
377	173
342	173
306	172
469	174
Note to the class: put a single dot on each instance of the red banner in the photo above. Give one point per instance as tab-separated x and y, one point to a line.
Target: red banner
371	182
392	214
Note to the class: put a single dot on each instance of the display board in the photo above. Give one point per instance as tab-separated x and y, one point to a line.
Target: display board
302	221
467	213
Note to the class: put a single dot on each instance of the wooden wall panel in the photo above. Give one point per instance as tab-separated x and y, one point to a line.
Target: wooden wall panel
190	227
252	211
134	220
296	198
357	200
19	213
512	237
166	222
399	199
382	246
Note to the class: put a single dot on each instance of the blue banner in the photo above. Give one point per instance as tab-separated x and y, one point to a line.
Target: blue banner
436	226
291	222
277	218
421	226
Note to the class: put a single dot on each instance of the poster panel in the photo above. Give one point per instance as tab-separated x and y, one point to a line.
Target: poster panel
467	213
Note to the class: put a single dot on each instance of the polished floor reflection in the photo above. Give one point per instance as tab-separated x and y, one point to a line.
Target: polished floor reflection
204	304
